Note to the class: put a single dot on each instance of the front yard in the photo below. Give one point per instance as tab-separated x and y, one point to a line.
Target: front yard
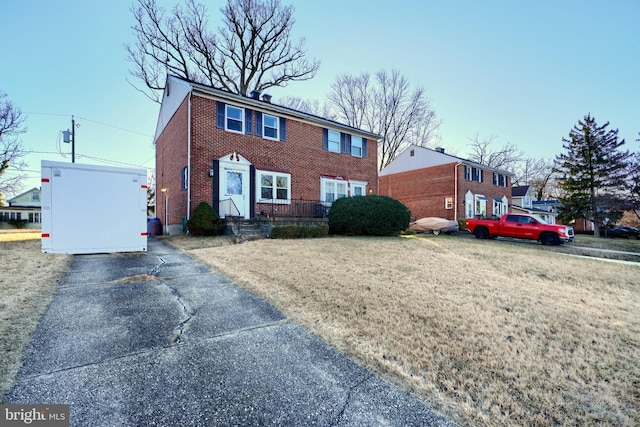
486	332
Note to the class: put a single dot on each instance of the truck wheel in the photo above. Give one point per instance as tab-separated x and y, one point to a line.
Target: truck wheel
436	232
481	233
549	239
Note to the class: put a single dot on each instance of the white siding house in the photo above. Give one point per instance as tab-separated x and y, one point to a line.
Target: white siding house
23	208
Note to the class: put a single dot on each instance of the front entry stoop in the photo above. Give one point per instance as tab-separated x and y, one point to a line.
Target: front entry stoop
245	229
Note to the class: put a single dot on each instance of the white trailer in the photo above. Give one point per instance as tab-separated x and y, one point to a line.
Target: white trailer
93	209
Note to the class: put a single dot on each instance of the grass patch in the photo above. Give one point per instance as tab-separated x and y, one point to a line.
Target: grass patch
489	333
28	281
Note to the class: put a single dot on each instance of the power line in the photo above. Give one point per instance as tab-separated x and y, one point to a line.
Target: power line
115	127
92	121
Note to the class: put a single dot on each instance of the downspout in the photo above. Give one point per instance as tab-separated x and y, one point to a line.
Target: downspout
189	156
455	191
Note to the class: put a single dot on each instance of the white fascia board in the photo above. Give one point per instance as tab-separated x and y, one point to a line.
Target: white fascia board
175	92
422	158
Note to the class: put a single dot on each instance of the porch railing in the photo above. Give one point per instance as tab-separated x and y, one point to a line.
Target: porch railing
294	208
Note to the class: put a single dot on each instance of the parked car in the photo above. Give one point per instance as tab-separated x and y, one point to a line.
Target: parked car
623	231
434	225
520	226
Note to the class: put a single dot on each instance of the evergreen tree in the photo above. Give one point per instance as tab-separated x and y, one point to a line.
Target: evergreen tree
591	171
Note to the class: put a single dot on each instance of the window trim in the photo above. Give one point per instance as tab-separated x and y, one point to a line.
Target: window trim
227	118
260	199
329	141
264	126
361	146
353	184
448	202
184	178
324	181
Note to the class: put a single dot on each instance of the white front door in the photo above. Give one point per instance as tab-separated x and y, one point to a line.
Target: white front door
234	187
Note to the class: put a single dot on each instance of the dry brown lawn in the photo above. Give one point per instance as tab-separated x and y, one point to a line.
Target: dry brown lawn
487	332
28	280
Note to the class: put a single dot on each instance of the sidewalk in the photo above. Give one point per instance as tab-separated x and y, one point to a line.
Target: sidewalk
158	339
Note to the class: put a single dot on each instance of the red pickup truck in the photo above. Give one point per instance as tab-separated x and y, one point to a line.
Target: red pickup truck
520	226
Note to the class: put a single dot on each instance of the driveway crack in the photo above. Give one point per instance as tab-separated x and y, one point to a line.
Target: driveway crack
347	400
186	316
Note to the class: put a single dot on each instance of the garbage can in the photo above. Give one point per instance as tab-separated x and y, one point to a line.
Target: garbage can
154	227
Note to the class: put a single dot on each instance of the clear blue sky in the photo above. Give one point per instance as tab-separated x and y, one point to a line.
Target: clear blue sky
523	71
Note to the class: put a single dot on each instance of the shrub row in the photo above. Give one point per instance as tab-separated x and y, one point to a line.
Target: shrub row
299	231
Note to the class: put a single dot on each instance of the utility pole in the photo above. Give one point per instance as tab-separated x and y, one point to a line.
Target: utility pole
70	136
73	140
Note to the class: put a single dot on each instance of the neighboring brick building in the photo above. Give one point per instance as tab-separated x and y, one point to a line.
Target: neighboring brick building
246	156
434	184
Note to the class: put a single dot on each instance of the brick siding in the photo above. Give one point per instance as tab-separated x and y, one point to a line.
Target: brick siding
424	191
301	155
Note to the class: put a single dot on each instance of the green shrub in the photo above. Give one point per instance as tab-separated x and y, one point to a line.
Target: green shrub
462	224
299	231
18	223
204	221
368	215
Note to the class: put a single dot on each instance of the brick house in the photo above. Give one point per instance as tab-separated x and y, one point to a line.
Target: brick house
248	157
432	183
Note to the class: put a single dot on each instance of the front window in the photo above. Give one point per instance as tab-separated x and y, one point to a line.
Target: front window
235	119
356	146
270	126
334	141
333	189
274	187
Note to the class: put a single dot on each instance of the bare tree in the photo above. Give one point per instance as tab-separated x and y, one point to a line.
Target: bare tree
251	51
538	173
387	106
310	106
484	151
11	149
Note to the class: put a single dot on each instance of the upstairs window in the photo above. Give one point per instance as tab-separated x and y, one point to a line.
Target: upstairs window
235	119
499	180
473	174
334	141
356	146
270	128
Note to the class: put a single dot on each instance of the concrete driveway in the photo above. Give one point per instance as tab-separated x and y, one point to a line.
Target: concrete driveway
159	339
